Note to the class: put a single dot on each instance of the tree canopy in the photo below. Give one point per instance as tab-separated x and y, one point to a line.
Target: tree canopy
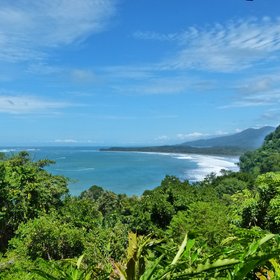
224	227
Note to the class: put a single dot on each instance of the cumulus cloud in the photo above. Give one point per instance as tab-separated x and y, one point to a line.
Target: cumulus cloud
28	27
199	135
191	136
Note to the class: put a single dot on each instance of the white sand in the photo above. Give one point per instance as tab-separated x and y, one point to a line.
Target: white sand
208	164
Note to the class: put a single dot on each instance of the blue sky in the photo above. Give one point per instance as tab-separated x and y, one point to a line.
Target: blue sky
134	72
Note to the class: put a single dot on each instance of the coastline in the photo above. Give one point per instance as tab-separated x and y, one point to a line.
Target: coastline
211	164
130	175
179	149
206	164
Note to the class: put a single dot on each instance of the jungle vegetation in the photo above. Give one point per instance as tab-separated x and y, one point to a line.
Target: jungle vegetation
224	227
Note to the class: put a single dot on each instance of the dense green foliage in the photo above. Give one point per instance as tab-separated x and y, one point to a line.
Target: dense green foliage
224	227
264	159
222	150
26	191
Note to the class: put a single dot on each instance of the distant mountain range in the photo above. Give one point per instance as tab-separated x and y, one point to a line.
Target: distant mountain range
250	138
234	144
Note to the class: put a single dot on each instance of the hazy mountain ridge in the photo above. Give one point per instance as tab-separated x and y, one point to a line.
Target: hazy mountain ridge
250	138
235	144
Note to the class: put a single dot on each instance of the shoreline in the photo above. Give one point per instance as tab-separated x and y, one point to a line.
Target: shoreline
177	149
211	164
200	165
206	164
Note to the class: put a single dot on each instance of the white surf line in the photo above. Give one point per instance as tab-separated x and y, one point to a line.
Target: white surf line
208	164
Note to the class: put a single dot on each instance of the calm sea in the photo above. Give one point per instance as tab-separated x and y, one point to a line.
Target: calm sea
125	172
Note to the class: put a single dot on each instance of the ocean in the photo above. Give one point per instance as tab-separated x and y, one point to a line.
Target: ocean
125	172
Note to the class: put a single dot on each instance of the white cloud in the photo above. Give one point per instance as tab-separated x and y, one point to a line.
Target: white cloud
136	72
261	90
83	76
199	135
42	68
28	27
162	138
221	133
162	86
66	141
156	86
271	115
27	104
229	47
191	136
259	84
147	116
149	35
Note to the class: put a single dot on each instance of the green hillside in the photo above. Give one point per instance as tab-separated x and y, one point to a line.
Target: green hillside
264	159
248	139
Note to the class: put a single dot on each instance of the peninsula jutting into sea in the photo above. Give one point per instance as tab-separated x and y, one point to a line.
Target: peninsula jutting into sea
234	144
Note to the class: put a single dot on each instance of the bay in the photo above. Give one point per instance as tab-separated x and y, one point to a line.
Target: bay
125	172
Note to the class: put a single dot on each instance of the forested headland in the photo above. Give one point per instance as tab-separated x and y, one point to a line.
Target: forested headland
234	144
224	227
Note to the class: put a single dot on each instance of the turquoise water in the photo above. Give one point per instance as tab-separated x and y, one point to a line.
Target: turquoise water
125	172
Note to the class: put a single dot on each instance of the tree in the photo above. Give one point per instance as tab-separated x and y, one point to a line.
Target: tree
81	213
49	238
208	221
260	206
93	193
266	158
26	191
269	201
229	186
